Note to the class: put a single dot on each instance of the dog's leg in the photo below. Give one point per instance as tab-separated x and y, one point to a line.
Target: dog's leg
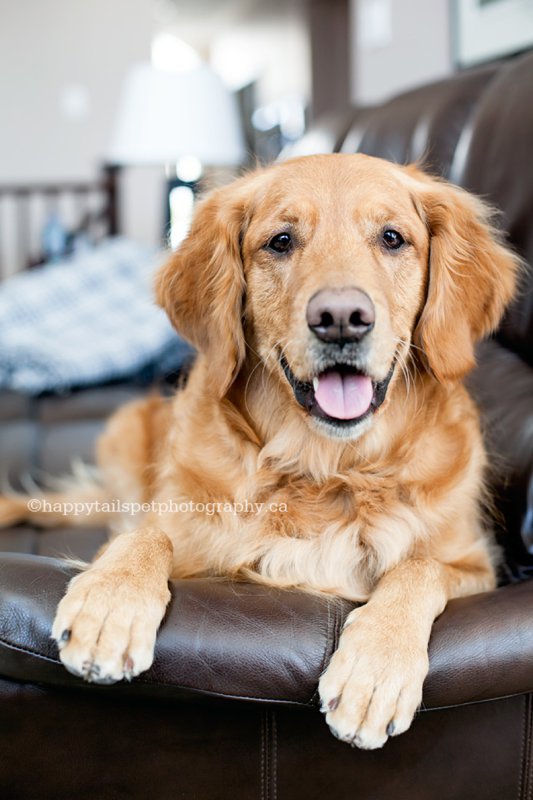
106	624
372	687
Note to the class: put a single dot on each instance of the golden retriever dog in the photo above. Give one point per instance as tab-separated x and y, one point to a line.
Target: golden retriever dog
335	302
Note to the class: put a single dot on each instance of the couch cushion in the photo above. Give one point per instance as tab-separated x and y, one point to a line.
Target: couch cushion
93	403
502	385
14	406
423	124
251	642
47	433
498	167
76	543
232	640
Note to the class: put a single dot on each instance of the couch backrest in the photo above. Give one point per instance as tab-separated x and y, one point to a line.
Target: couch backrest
499	167
423	125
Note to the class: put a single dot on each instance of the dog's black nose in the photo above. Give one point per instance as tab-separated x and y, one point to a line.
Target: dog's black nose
340	315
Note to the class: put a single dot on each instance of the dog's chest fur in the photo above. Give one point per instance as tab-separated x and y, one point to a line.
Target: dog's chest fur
336	536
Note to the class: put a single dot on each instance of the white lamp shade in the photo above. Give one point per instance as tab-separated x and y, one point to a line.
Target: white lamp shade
163	116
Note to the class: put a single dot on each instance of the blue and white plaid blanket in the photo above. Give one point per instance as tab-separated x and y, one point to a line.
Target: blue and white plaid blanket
88	319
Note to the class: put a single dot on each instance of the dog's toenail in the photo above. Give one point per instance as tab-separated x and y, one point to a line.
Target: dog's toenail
391	727
342	737
128	668
329	705
90	671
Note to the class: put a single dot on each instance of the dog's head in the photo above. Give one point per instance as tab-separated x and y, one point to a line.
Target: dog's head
335	271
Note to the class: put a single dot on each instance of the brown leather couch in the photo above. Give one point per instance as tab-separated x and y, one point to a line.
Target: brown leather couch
229	709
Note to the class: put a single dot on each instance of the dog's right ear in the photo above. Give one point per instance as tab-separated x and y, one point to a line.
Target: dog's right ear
202	286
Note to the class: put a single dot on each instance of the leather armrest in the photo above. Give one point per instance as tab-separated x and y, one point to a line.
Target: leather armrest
255	643
481	648
220	638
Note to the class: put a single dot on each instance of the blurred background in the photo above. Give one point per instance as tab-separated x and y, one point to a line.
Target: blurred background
116	114
66	65
74	99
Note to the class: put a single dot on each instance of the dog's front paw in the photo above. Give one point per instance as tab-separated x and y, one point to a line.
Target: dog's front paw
105	626
372	687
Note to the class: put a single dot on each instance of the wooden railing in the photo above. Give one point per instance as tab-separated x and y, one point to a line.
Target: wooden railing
25	208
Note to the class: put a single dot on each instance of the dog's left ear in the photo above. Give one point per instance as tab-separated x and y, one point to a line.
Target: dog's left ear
472	277
202	286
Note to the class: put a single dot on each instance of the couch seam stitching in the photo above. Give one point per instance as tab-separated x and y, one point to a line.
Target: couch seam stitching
27	650
338	630
267	756
524	763
301	703
141	682
263	755
528	748
330	629
274	757
521	759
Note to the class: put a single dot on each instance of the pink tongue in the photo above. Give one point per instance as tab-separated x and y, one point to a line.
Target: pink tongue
343	396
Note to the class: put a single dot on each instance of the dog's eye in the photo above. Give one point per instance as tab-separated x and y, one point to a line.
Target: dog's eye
392	239
280	243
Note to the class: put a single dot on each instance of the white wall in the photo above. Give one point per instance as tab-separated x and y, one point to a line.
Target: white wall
47	48
263	40
62	64
84	48
397	45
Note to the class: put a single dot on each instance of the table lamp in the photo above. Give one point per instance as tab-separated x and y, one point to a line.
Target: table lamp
169	118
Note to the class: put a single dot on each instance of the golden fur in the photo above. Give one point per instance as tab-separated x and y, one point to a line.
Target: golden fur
387	510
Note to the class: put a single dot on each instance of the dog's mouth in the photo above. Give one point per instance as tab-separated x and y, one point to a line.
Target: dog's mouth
341	395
